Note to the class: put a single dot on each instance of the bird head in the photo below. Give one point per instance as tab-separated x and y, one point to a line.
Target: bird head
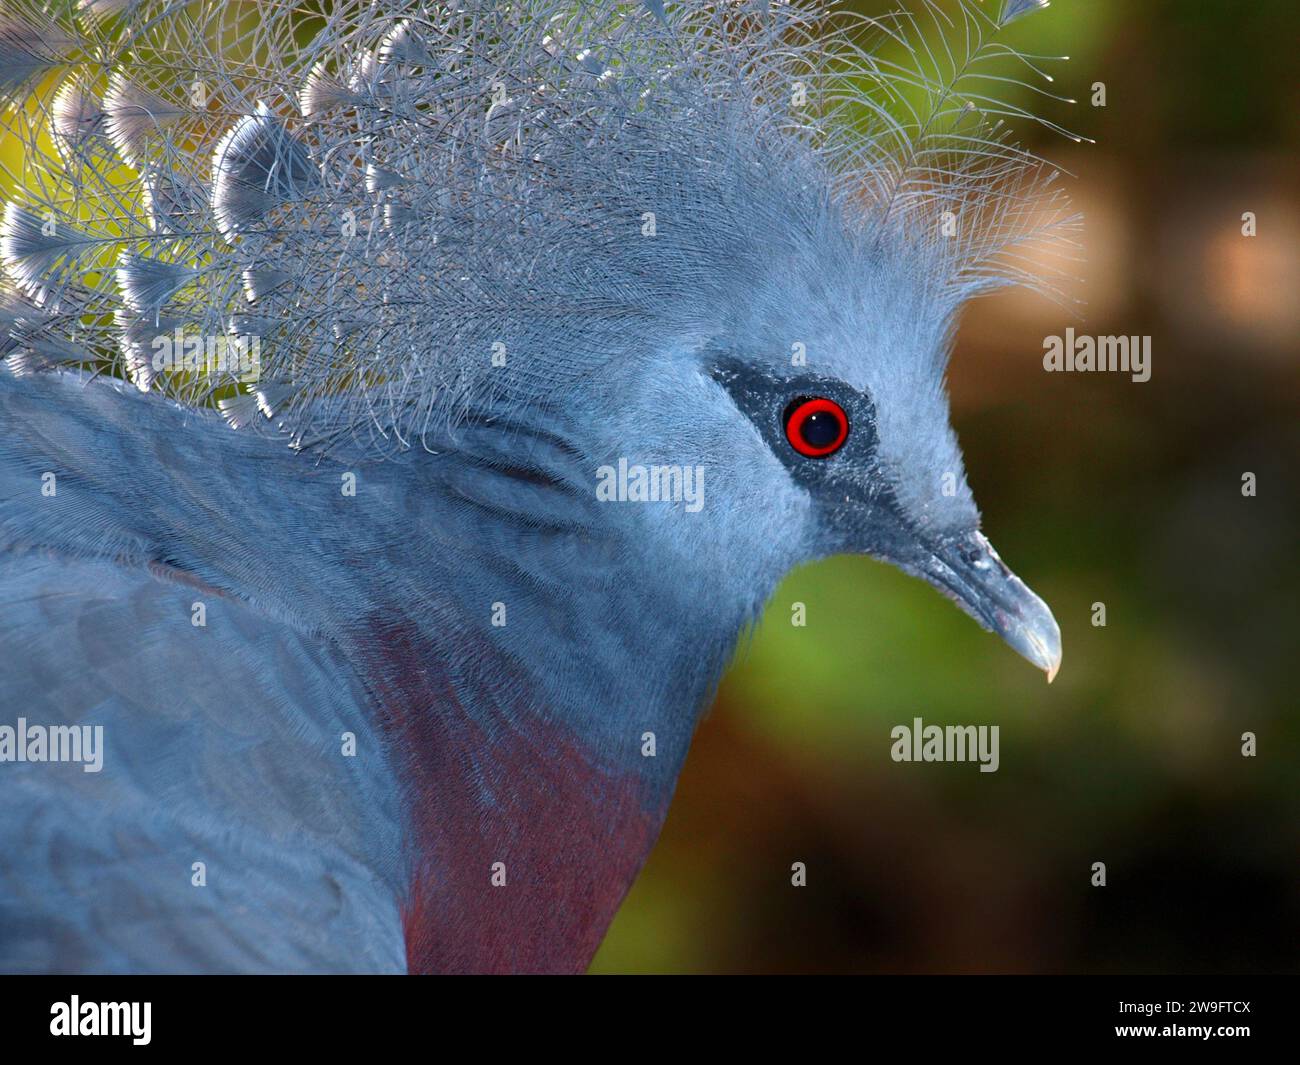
862	428
819	416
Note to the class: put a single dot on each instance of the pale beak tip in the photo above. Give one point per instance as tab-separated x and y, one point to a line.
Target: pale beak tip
1037	636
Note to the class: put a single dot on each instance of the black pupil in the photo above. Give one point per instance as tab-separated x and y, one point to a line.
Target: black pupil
820	429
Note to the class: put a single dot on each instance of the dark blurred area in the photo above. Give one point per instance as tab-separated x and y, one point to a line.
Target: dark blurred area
1096	489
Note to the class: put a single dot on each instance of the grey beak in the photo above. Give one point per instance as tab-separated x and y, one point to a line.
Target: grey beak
969	571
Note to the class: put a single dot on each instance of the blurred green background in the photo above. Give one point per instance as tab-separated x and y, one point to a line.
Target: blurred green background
1094	489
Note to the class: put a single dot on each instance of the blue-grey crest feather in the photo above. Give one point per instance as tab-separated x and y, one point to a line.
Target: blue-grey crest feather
409	187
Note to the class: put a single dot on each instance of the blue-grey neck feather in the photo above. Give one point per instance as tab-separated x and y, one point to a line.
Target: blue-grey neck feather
503	514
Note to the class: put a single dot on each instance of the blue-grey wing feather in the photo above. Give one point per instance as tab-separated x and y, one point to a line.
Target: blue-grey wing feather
222	744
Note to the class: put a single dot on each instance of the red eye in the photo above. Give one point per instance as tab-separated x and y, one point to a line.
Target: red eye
816	427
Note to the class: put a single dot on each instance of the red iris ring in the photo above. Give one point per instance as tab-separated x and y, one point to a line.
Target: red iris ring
798	415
